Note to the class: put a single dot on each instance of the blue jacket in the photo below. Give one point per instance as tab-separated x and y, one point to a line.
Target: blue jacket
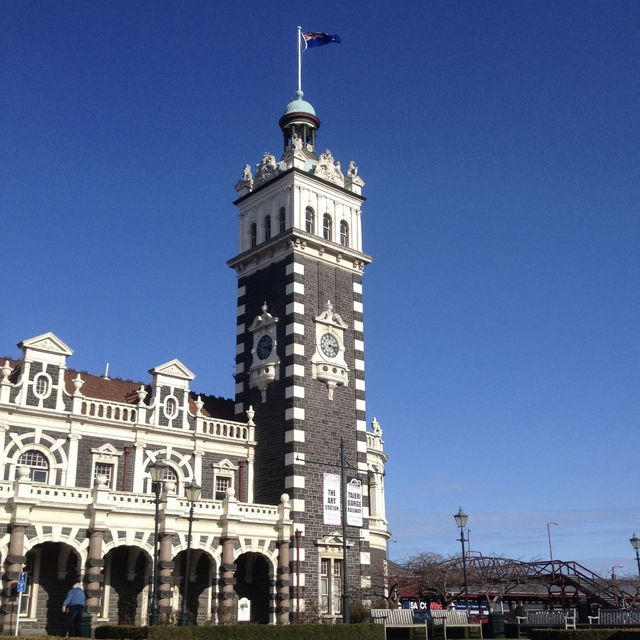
74	597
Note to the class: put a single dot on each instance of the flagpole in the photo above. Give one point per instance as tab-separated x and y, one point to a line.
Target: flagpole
299	59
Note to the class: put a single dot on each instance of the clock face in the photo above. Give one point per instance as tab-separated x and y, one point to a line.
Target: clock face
265	344
329	345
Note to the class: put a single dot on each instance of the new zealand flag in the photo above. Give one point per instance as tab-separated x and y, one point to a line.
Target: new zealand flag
317	39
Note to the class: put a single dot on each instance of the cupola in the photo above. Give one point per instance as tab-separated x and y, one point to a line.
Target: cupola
299	125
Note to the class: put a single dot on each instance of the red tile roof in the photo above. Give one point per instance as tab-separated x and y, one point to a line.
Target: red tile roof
118	390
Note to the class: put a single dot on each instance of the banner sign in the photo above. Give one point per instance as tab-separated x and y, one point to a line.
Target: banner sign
354	502
331	499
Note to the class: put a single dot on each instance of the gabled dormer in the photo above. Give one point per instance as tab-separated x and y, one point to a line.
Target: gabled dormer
41	381
170	394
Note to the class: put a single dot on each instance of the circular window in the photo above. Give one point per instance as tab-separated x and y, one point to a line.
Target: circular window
42	385
170	407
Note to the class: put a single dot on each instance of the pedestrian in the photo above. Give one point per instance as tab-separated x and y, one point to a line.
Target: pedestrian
73	606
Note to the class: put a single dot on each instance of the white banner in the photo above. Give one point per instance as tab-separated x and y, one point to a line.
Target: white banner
354	502
331	498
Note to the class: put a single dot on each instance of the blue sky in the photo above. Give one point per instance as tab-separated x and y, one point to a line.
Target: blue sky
499	145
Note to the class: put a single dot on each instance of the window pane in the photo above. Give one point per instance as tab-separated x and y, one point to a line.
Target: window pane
105	469
221	485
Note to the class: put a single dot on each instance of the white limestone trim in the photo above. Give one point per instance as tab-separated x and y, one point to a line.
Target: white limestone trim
240	329
365	582
295	307
298	505
294	287
361	446
360	384
241	309
239	348
358	365
358	325
240	367
294	391
361	405
296	328
294	413
238	408
363	467
357	287
294	349
294	578
294	370
295	267
361	425
294	458
358	345
294	435
242	291
239	387
365	557
296	482
357	306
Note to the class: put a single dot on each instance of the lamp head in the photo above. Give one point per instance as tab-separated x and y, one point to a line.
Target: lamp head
192	491
157	469
461	518
635	541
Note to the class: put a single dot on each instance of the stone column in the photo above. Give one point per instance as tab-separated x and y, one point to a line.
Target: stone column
283	603
165	574
94	577
14	563
227	583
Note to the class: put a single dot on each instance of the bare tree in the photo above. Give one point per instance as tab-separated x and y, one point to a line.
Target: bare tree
436	578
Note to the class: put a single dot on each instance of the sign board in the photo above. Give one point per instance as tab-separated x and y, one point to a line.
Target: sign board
244	610
22	577
22	587
354	502
331	499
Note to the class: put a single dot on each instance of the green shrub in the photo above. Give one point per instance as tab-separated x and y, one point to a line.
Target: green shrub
245	632
584	634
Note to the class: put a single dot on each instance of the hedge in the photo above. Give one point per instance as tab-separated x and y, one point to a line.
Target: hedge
244	632
584	634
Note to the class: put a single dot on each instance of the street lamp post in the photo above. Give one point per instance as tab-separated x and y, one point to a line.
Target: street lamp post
461	522
553	571
192	493
635	543
157	470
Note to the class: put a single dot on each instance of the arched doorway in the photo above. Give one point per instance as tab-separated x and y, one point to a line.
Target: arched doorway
253	581
126	574
52	569
200	591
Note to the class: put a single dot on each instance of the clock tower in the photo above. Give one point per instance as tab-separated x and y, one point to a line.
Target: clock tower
300	359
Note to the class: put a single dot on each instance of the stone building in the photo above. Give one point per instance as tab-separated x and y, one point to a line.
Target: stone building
76	449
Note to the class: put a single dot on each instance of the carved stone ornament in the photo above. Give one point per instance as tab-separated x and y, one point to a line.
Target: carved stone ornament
245	184
327	169
266	169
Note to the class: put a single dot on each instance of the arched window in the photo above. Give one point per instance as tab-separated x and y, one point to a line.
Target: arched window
327	227
282	219
254	234
37	464
169	475
267	228
310	220
344	233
